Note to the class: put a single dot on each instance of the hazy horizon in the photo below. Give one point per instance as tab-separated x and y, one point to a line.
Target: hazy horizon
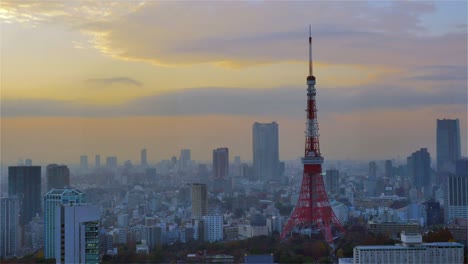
111	78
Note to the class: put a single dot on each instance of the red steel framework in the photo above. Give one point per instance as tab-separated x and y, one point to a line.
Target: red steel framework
313	209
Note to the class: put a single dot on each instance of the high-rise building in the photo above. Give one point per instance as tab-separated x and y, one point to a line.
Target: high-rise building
58	176
184	159
111	162
28	162
213	227
199	200
84	162
76	233
97	161
52	199
332	181
265	150
448	144
388	169
9	227
456	193
220	163
143	158
25	183
372	170
419	169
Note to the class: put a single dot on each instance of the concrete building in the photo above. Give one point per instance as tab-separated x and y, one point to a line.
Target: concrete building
58	176
265	151
84	162
199	200
185	159
24	182
111	162
247	231
97	161
448	144
213	227
419	169
392	228
9	227
52	199
412	250
332	181
76	238
220	163
456	197
143	158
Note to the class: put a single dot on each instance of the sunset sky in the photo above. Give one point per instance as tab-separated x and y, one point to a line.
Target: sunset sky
113	77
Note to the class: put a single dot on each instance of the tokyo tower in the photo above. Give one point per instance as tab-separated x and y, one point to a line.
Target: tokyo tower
313	210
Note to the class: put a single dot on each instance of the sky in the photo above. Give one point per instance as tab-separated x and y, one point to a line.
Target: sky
113	77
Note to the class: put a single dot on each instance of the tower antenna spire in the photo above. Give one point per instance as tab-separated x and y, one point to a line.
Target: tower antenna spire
310	51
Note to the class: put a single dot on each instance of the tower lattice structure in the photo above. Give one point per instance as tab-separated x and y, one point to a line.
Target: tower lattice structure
313	209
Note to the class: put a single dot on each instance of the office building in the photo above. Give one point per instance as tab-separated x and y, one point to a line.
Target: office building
419	169
76	235
265	151
184	159
24	182
220	163
28	162
111	162
393	228
456	193
58	176
411	250
84	162
52	199
388	169
332	181
143	158
213	227
448	144
9	227
372	170
97	161
199	200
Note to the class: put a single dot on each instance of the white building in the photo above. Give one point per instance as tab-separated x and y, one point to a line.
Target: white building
340	210
52	199
76	233
412	250
456	197
248	231
213	227
9	222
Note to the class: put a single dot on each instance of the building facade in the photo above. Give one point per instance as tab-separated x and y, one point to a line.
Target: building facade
199	200
448	144
213	228
24	182
265	151
456	197
52	199
58	176
412	250
76	235
9	227
220	163
419	169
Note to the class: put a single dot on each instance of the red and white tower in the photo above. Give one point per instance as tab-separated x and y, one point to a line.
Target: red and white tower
313	210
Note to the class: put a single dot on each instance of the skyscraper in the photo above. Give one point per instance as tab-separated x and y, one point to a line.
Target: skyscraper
456	193
111	162
184	159
388	169
144	161
372	170
220	163
448	144
58	176
84	162
76	233
265	150
9	223
419	170
25	183
54	198
97	161
332	181
199	200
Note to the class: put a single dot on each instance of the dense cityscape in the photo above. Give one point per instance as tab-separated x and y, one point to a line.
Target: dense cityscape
249	202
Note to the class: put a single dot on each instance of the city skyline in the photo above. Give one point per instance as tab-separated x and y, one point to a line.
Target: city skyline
113	84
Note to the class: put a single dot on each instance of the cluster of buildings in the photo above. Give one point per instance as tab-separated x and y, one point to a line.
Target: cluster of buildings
181	200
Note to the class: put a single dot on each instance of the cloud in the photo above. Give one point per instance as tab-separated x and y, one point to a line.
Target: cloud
115	80
285	101
441	73
238	34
